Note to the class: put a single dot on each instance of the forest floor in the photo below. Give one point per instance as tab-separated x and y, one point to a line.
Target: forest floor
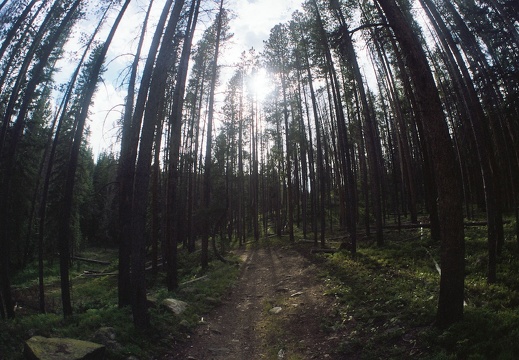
285	302
276	310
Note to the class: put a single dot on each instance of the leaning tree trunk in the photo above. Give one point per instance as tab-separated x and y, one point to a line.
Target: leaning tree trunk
129	143
15	29
344	143
429	175
401	136
450	305
46	48
143	171
16	133
288	174
173	210
321	176
374	157
481	133
48	160
206	191
68	194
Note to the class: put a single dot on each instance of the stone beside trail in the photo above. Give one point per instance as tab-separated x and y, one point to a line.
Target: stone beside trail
175	306
276	310
42	348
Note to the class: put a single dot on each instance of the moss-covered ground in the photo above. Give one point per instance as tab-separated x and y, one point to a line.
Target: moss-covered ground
384	302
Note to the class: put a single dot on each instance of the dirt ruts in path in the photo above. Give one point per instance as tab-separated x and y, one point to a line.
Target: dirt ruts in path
244	328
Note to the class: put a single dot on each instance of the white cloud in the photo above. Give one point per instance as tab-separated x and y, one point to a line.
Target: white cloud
105	113
255	18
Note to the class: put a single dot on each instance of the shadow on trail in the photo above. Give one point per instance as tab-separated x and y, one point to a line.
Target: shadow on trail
272	274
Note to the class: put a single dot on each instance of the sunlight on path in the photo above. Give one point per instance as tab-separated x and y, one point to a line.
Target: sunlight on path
275	311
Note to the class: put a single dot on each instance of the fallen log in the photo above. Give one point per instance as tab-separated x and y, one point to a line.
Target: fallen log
308	241
93	261
338	238
428	225
96	274
194	280
150	267
324	251
482	223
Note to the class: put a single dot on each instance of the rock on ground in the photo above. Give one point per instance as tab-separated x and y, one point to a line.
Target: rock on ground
175	306
42	348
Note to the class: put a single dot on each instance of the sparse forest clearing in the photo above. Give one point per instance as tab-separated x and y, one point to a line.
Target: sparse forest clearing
360	160
379	306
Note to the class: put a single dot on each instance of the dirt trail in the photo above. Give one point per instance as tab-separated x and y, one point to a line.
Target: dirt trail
244	326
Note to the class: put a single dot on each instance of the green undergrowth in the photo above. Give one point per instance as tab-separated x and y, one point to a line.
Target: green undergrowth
276	335
278	341
386	300
94	301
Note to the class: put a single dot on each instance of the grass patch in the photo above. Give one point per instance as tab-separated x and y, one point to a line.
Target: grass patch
387	300
278	340
95	306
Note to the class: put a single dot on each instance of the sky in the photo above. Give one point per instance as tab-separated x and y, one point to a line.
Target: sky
255	18
250	26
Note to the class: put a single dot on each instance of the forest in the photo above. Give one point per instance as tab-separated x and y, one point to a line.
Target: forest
356	121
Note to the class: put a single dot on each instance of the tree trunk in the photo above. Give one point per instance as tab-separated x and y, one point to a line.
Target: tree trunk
374	158
402	138
241	177
417	127
48	160
206	193
480	131
450	305
129	143
143	169
155	199
321	176
17	131
173	210
15	28
288	171
344	143
87	95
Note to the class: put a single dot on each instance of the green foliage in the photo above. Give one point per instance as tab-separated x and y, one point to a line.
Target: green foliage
483	334
29	275
388	296
99	223
95	306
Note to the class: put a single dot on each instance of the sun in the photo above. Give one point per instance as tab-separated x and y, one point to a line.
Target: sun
261	84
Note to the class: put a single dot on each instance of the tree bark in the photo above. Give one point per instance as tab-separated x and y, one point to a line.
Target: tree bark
450	305
480	131
206	191
370	133
143	170
87	95
173	211
129	143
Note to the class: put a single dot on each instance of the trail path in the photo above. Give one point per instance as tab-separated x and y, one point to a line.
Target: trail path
244	327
